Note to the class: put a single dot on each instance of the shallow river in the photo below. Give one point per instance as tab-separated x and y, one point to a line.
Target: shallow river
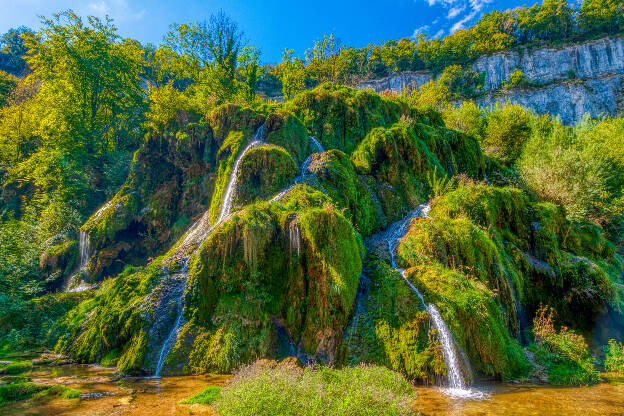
104	394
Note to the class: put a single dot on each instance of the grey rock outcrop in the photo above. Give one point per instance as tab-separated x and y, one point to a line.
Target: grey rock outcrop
566	81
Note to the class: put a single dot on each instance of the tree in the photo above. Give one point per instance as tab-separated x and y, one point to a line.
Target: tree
12	47
248	61
324	63
553	20
210	51
292	73
601	17
89	81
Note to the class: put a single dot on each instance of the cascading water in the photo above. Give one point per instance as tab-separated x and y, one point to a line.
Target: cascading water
200	229
84	245
303	174
457	384
73	284
173	335
294	235
230	190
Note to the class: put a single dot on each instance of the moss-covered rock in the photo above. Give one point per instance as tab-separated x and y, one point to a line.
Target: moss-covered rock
391	328
340	117
474	317
264	171
350	192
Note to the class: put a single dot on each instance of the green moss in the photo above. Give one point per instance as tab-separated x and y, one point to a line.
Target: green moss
460	245
392	330
285	130
18	391
111	358
113	322
340	117
17	367
207	396
61	391
349	191
474	318
264	171
504	210
398	157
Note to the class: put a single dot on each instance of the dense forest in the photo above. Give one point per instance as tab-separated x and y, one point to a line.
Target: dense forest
116	159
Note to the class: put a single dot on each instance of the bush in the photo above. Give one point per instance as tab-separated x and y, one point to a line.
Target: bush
262	389
18	391
563	353
16	367
207	396
614	361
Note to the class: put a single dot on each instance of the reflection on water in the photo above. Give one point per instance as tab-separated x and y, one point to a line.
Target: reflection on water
526	400
104	393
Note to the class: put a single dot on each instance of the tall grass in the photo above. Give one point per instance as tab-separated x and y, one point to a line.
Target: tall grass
269	390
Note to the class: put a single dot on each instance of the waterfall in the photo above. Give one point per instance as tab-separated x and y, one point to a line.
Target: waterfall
319	147
84	245
294	235
173	335
202	228
303	173
74	283
457	385
455	378
226	204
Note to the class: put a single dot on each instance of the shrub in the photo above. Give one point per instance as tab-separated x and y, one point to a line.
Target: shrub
262	389
563	353
16	367
614	361
207	396
508	129
18	391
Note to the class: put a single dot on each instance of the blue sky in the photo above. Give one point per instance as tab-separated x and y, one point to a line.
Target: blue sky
270	24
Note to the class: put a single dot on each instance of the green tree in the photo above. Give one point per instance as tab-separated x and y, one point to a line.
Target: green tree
601	17
89	82
210	53
291	73
324	60
13	48
248	61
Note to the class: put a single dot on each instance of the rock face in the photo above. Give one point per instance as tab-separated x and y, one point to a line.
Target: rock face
568	81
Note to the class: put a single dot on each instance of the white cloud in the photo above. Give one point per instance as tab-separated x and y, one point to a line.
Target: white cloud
119	10
439	33
420	30
459	12
454	11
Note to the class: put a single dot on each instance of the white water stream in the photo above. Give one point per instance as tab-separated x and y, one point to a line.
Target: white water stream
457	385
303	174
200	230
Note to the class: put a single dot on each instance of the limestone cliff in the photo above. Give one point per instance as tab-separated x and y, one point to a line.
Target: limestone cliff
568	80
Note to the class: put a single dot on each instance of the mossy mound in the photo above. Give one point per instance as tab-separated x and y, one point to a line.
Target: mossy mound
340	117
460	245
264	171
285	130
350	192
474	317
552	261
407	156
267	270
390	328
